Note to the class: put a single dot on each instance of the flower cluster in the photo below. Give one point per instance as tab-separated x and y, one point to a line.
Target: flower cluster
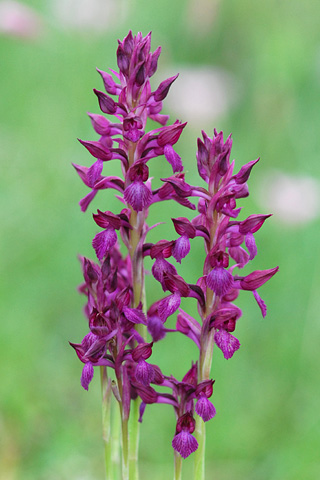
118	316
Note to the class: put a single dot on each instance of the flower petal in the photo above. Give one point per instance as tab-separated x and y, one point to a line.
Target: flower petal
138	195
169	305
181	248
184	443
205	409
87	375
103	242
173	158
219	280
227	343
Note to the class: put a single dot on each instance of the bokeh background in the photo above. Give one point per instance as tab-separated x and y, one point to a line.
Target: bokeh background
247	67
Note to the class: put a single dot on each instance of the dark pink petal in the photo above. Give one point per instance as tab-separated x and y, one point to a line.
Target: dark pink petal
107	219
203	161
85	202
144	373
204	388
169	305
175	283
257	278
142	351
106	103
163	89
87	375
160	267
183	226
239	255
187	420
219	280
134	315
227	343
184	443
94	172
154	62
260	302
170	134
156	328
146	393
109	84
141	411
123	60
244	172
181	248
138	195
173	158
103	242
252	223
100	124
133	135
251	245
97	150
205	409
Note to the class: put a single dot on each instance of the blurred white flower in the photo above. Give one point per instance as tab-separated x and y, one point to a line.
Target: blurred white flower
19	20
93	15
292	199
202	94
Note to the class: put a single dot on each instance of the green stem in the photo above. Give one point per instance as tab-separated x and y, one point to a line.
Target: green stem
109	439
125	447
199	458
115	443
203	374
134	429
177	466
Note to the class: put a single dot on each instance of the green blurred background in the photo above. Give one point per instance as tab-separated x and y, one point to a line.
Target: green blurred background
257	70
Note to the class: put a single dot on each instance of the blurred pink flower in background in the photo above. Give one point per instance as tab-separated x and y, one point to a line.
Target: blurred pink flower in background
294	200
19	20
204	94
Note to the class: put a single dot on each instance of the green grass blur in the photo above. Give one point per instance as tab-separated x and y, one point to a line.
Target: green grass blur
267	396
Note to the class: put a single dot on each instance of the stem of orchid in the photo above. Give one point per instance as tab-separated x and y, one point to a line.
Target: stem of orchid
203	374
111	441
125	447
204	368
134	430
177	466
115	444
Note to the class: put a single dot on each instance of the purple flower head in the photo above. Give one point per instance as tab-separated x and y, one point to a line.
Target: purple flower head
114	287
183	441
